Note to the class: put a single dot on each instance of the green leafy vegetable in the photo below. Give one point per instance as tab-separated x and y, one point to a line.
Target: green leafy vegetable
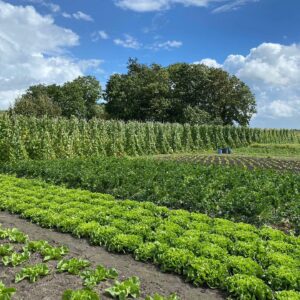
73	265
122	290
32	273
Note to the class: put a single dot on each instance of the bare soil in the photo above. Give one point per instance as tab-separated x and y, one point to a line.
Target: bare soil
52	286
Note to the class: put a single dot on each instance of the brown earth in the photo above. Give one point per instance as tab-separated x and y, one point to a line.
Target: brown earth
52	286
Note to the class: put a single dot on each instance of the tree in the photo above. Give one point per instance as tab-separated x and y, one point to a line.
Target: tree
179	93
142	94
79	97
75	98
37	106
195	115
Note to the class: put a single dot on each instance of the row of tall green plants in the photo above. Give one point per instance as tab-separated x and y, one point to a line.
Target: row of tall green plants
24	138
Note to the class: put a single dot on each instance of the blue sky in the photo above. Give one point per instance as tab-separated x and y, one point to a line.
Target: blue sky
45	41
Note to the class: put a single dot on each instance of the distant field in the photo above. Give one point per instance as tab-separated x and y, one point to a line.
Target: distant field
240	161
271	150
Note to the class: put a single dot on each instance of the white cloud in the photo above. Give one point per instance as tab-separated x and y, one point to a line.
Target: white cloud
128	42
209	62
101	34
52	6
158	5
82	16
273	73
33	50
232	5
167	45
66	15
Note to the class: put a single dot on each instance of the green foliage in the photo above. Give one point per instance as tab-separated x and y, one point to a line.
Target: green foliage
244	261
6	250
15	258
83	294
248	287
6	293
93	277
159	297
23	138
53	253
72	266
287	295
32	273
232	193
179	93
128	288
36	106
75	98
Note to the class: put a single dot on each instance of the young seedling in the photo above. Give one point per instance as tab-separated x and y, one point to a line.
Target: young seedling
122	290
73	265
5	292
93	277
32	273
159	297
6	250
16	259
53	253
83	294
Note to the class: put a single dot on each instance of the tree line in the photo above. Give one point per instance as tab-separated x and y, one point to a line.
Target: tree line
178	93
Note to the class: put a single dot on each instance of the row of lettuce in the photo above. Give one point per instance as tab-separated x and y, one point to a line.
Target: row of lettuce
46	138
16	249
258	197
238	258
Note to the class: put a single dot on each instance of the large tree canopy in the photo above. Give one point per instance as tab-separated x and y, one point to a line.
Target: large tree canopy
179	93
75	98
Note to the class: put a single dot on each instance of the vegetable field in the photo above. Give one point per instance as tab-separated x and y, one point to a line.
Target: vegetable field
24	138
33	267
258	196
197	226
239	161
239	259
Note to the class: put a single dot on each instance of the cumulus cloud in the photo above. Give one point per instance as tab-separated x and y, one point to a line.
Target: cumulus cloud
209	62
273	73
158	5
33	49
128	42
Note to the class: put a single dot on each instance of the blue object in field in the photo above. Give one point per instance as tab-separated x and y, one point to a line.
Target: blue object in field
220	151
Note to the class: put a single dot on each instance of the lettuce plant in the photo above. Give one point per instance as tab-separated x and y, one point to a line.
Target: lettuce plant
72	266
32	273
128	288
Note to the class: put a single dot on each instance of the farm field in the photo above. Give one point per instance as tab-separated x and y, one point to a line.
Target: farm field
54	284
257	196
248	162
210	227
236	258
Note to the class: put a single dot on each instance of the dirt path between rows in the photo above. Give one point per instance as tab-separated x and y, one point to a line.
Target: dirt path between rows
52	287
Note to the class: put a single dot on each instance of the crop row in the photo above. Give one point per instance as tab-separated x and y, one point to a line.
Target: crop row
258	197
246	262
16	249
31	138
240	161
